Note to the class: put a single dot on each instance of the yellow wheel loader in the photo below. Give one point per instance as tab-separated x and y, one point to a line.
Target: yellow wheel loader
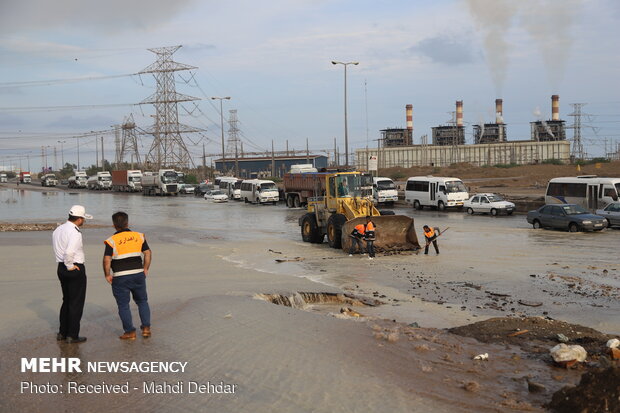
343	200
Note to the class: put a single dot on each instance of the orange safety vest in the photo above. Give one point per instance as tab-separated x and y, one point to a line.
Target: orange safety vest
126	252
360	228
430	233
370	226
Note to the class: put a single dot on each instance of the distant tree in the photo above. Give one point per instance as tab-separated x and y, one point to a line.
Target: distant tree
67	170
191	179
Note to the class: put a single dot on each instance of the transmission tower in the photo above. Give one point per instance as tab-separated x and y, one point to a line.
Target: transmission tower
577	150
233	138
129	141
168	148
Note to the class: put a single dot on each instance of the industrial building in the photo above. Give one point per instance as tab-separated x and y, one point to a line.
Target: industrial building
451	134
392	137
260	167
550	130
514	152
492	132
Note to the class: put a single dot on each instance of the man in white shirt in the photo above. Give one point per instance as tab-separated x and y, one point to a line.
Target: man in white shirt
69	252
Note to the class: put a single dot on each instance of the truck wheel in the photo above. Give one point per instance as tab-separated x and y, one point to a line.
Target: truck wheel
289	201
334	230
441	206
297	201
310	231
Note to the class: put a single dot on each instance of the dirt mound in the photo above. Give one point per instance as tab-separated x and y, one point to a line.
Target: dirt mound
534	334
597	392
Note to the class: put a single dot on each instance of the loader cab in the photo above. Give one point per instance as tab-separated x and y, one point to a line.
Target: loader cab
347	185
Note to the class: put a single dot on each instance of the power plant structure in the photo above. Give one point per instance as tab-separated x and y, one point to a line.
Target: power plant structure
490	147
492	132
397	136
451	134
550	130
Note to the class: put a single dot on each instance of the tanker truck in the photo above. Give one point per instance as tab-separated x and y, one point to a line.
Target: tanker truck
127	181
78	180
164	182
100	182
49	180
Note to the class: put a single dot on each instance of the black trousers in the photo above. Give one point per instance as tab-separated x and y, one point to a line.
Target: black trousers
73	284
355	244
428	242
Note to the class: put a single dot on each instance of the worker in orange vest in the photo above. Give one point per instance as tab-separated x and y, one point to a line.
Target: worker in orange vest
369	237
356	238
431	235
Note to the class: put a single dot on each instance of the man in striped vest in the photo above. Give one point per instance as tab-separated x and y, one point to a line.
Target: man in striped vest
124	269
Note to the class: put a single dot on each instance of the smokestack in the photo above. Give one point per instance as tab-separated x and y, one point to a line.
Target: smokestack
499	111
555	107
459	113
409	109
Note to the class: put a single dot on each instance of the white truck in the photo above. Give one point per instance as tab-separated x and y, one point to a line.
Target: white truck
384	191
127	181
164	182
3	178
100	182
79	180
49	180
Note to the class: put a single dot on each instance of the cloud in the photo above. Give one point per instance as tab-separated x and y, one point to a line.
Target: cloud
109	15
9	121
445	49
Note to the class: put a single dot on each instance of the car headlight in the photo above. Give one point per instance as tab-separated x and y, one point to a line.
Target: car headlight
586	222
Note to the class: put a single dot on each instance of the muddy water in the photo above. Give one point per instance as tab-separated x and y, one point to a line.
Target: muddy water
488	266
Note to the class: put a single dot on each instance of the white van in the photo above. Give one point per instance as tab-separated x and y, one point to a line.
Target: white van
435	191
589	191
220	181
259	191
384	191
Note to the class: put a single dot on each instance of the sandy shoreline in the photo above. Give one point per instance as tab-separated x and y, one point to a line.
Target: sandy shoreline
205	313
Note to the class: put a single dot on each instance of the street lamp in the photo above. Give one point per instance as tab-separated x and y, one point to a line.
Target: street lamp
222	125
62	156
346	128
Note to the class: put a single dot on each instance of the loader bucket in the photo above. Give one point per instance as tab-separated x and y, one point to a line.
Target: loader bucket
394	233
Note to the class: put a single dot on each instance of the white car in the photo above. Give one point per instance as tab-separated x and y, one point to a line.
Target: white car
216	196
186	189
488	204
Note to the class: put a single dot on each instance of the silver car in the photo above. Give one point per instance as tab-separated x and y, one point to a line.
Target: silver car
488	203
611	213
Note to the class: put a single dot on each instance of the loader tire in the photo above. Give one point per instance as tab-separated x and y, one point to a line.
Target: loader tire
310	231
334	230
387	212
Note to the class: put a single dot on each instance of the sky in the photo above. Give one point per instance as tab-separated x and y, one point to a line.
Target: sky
70	67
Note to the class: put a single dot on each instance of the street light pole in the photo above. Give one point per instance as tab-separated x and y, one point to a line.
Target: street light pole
346	126
62	154
222	125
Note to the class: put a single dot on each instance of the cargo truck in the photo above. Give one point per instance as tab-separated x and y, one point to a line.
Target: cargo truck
164	182
79	180
49	180
298	187
127	181
384	191
100	182
25	178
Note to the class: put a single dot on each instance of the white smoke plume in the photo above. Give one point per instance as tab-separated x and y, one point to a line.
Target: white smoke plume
493	19
549	23
101	15
538	114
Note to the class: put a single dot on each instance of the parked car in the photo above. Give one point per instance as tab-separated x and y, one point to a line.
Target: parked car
202	189
186	188
216	196
488	203
571	217
611	213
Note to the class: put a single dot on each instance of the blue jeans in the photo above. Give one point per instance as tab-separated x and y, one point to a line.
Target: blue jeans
136	285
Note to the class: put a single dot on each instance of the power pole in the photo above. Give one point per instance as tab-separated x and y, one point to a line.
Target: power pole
233	138
129	141
168	148
273	160
102	156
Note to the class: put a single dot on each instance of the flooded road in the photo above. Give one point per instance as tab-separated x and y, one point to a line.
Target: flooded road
488	266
